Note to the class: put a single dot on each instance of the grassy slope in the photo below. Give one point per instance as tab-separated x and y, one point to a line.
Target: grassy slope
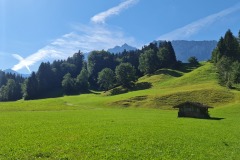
93	126
173	87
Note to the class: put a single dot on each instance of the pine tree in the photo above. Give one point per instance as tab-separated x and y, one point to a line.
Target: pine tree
236	72
167	55
3	79
232	46
193	61
13	90
31	89
45	78
97	61
77	59
148	62
238	36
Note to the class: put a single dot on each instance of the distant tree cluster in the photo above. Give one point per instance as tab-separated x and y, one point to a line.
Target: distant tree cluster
10	86
107	70
226	57
193	61
101	71
155	57
62	76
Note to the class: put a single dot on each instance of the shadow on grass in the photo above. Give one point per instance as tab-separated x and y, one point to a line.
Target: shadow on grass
133	87
215	118
236	88
186	67
51	94
169	72
207	118
141	86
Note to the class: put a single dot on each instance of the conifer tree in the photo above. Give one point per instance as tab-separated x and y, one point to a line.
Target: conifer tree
31	89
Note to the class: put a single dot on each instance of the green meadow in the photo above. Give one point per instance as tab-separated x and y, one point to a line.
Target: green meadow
139	124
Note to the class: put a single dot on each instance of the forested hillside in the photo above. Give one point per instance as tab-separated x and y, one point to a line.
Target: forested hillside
104	70
10	86
226	58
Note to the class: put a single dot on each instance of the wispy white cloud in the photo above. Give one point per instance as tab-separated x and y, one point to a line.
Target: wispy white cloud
194	27
22	61
84	37
101	17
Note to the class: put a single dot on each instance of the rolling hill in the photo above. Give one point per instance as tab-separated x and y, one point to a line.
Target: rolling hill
165	88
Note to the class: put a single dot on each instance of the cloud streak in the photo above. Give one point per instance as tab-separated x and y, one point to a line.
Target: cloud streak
21	61
101	17
194	27
85	38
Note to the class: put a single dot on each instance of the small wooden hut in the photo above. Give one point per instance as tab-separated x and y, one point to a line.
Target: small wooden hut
193	109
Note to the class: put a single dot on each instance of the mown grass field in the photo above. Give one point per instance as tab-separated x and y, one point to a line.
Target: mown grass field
135	125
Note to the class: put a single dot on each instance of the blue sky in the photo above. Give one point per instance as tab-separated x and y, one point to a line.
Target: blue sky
34	31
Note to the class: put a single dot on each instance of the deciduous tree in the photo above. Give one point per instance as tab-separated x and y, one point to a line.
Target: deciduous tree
125	74
68	84
82	81
106	78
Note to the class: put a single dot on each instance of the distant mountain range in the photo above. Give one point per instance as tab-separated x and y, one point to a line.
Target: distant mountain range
16	73
119	49
200	49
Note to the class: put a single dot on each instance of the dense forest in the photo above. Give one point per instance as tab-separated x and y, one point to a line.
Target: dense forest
10	86
103	70
226	57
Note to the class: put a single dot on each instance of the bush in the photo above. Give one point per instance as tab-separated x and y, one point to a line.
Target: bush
193	61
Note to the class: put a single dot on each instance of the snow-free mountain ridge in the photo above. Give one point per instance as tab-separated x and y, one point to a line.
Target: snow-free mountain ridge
120	49
184	49
202	50
16	73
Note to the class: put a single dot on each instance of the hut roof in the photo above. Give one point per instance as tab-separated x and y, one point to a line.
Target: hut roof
196	104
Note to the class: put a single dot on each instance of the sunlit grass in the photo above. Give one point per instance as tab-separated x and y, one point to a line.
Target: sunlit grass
118	134
126	126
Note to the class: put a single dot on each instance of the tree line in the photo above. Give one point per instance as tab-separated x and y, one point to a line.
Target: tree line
10	86
101	71
226	58
104	70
